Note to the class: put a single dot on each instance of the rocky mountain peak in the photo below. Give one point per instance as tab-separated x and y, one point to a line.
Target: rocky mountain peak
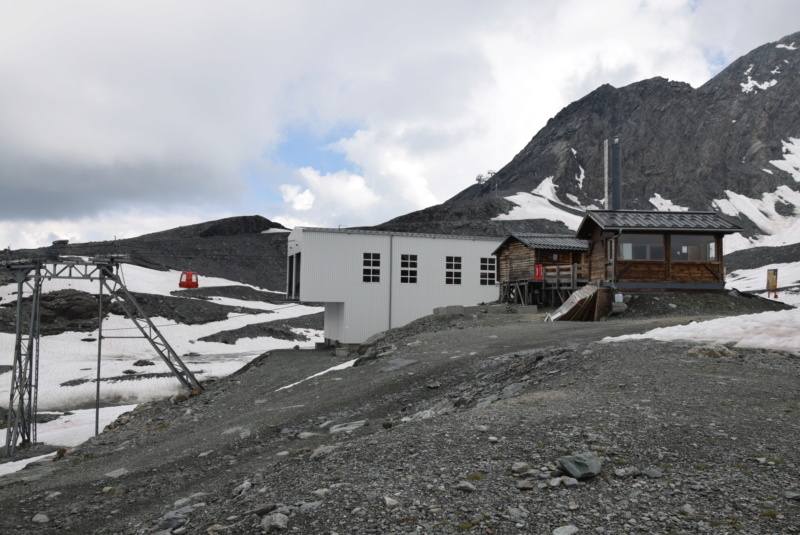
722	146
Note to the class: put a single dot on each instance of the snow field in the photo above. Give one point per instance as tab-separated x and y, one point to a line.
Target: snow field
66	356
769	330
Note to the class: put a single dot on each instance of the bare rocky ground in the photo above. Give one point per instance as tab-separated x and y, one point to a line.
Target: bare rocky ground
456	425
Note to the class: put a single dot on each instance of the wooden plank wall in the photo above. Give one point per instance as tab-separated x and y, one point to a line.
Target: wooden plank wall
597	258
516	260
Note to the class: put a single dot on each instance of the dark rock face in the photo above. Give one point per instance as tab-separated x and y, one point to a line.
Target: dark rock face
235	226
760	256
62	310
687	145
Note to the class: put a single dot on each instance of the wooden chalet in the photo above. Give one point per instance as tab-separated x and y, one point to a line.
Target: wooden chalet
656	251
534	269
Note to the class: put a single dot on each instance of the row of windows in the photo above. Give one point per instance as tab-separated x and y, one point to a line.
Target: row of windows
683	247
408	269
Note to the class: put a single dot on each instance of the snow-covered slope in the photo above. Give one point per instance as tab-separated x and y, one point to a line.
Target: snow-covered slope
67	357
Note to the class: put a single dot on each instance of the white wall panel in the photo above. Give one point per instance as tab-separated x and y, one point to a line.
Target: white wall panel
331	272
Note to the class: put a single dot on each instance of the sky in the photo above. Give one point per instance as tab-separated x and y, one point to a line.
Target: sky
123	118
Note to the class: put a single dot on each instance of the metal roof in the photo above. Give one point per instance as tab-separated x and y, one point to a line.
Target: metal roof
655	220
551	241
405	234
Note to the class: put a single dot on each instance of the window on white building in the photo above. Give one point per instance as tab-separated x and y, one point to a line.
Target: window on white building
408	268
488	271
372	267
452	270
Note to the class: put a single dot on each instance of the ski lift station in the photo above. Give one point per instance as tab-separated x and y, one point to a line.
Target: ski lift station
371	281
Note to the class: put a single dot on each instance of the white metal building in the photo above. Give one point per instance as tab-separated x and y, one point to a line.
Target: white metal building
371	281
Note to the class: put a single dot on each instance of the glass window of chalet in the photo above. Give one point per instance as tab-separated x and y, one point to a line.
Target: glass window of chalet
408	269
641	247
488	271
452	273
372	267
693	248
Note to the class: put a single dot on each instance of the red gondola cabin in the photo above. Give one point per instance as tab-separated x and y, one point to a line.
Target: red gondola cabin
188	280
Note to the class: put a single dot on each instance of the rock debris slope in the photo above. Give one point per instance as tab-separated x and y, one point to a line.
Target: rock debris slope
466	425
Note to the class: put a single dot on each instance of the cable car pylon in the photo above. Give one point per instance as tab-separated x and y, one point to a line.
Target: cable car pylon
28	275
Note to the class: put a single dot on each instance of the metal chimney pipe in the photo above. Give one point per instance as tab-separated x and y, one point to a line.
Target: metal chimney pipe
616	175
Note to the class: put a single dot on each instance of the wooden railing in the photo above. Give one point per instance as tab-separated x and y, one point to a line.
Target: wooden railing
566	276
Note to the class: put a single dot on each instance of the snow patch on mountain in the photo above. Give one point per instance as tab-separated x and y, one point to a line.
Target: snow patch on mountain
582	175
787	47
791	158
777	229
666	205
751	85
541	203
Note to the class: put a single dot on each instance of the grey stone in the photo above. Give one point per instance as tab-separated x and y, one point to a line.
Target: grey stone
512	390
466	486
321	451
525	484
117	473
565	530
652	473
628	471
581	466
40	518
274	522
348	427
396	364
713	351
172	520
422	415
789	495
310	506
520	467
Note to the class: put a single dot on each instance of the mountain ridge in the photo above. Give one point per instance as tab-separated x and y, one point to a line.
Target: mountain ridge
681	147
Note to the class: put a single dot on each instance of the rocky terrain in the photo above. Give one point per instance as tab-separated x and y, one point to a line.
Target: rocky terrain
451	424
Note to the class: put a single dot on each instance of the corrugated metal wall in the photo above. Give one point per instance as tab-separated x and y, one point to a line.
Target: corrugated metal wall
412	301
332	272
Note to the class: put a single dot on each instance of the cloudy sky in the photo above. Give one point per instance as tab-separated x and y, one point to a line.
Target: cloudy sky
122	118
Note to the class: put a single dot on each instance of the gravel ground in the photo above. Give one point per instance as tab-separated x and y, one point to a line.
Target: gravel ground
457	425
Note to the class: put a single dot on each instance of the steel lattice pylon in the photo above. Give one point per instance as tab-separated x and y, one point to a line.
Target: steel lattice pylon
29	275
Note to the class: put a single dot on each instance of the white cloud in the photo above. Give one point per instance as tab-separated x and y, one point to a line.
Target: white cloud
299	200
105	226
122	107
337	197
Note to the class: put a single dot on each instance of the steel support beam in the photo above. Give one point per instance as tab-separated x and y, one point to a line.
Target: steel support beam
29	275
